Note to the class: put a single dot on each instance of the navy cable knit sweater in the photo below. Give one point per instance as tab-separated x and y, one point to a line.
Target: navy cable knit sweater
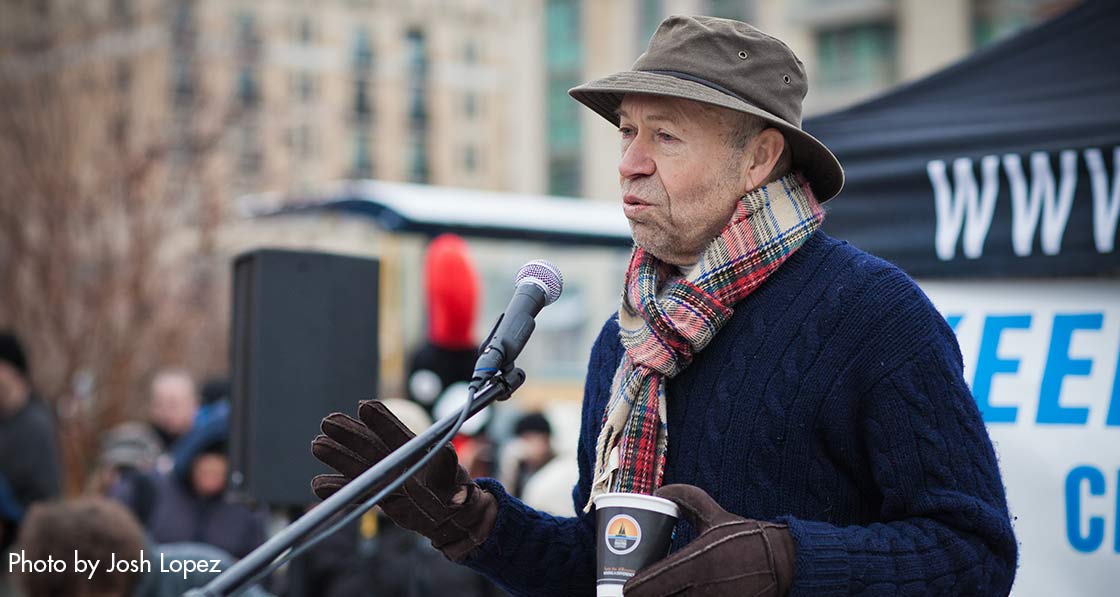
833	400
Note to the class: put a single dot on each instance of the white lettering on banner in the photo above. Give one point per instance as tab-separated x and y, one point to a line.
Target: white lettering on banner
1025	211
1106	209
963	205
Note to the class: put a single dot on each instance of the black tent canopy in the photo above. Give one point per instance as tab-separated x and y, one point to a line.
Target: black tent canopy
1002	165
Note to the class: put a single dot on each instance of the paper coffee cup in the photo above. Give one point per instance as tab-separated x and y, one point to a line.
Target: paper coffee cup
633	531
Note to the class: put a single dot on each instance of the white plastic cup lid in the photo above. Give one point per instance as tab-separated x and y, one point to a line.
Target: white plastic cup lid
638	501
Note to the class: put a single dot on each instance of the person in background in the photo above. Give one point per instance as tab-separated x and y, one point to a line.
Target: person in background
30	470
126	467
549	489
94	528
449	352
192	503
172	408
99	529
528	451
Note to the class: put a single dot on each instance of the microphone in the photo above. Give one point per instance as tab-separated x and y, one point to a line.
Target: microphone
537	285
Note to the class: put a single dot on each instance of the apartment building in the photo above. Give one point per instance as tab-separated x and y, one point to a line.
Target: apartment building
468	93
852	50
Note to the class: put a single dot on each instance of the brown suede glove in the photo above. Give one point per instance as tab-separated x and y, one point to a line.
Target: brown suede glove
731	556
441	501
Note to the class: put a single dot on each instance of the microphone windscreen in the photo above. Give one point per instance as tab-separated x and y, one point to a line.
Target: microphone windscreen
543	274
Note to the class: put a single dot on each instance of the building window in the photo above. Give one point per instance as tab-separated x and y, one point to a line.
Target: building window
122	11
470	159
183	26
184	82
417	158
564	62
305	31
249	155
124	76
649	17
470	104
245	27
306	86
362	108
993	20
363	50
857	56
417	65
247	91
363	65
564	175
305	141
470	52
183	38
740	10
363	162
119	128
248	43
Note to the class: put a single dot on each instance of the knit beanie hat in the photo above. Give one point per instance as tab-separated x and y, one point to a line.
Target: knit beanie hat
131	444
11	351
533	422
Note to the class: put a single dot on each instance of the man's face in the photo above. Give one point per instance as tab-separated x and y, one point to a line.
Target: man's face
208	474
174	404
537	448
13	389
680	177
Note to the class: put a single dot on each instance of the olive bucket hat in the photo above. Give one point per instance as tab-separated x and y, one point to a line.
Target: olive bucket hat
728	64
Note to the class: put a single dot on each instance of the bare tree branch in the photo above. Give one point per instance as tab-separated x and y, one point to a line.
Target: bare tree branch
87	275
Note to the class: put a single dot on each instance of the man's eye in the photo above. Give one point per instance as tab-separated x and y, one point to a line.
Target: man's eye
625	131
666	136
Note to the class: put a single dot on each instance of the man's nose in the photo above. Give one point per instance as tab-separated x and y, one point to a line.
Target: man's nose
636	160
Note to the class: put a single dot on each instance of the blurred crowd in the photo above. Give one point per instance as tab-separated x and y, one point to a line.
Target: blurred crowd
160	487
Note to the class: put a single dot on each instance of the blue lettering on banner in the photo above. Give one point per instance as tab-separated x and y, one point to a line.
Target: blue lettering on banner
1091	542
1059	365
1114	421
989	364
954	321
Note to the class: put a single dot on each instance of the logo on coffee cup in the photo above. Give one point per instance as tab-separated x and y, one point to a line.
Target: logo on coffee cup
623	534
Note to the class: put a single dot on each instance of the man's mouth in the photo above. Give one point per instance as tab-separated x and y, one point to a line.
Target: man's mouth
632	207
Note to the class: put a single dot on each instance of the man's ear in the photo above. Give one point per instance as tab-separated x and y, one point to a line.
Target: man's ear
763	153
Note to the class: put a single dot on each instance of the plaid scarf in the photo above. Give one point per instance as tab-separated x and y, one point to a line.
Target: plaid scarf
666	319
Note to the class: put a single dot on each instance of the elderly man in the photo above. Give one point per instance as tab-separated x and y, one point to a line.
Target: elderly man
173	405
802	401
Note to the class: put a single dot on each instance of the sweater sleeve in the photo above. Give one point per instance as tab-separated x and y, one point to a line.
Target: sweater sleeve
946	528
534	553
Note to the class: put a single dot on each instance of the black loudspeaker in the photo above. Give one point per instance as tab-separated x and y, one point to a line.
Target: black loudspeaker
304	344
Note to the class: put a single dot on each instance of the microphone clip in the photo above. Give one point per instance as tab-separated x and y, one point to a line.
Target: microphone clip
487	377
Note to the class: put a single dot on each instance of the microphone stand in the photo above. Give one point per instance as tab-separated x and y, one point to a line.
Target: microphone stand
499	387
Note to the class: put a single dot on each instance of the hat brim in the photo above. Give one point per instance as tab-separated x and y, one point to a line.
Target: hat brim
819	166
